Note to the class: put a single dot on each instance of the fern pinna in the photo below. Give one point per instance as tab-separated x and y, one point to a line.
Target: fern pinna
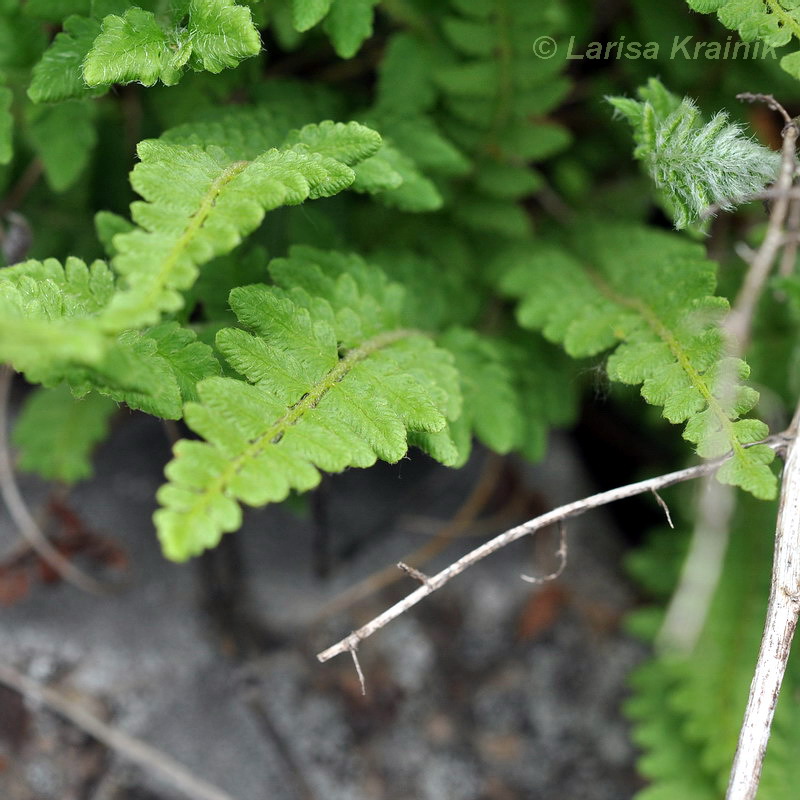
649	295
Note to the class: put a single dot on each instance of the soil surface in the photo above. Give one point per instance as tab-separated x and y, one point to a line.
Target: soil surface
491	689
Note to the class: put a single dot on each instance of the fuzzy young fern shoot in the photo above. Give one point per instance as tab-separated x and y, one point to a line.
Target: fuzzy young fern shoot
694	164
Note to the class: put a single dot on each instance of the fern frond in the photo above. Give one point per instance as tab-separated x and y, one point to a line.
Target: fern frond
348	23
649	295
63	136
57	76
200	203
55	433
695	165
47	315
155	371
136	47
304	407
774	22
91	53
50	330
492	406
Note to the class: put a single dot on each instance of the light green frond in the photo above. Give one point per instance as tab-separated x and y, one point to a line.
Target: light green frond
58	75
56	432
307	404
648	295
772	22
47	316
137	47
199	204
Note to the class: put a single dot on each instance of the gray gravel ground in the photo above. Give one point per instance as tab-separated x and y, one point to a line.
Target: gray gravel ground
493	689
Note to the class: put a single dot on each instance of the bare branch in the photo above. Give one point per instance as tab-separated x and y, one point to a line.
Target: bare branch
739	321
782	611
772	103
134	750
19	512
568	511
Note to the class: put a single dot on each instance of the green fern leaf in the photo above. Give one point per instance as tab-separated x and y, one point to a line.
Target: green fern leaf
307	13
58	76
648	294
56	433
305	407
50	330
135	47
774	22
63	136
155	371
107	225
48	314
695	165
348	142
349	25
200	204
491	404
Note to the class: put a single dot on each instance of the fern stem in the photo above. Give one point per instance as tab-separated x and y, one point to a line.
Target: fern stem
196	222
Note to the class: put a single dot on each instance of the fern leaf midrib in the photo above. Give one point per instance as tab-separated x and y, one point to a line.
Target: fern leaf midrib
665	334
776	8
310	400
196	222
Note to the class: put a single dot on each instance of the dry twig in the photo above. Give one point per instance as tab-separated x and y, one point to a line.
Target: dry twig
568	511
134	750
20	513
782	611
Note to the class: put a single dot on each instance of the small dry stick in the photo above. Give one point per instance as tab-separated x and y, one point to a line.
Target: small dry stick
771	102
739	321
411	571
561	553
664	508
435	582
782	611
134	750
19	512
358	670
